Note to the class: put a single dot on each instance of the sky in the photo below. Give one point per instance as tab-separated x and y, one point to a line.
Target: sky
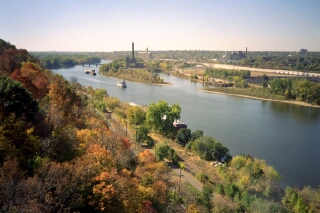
112	25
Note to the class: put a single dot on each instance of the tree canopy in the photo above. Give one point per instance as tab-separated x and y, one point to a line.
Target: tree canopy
160	116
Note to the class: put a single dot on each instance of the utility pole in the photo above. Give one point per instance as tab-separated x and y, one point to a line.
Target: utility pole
181	165
126	128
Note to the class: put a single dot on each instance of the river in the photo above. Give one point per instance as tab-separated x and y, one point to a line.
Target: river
287	136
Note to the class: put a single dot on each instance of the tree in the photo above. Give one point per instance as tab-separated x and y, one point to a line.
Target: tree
33	79
160	116
197	134
183	136
142	134
162	151
99	94
209	149
18	142
62	102
205	197
136	115
14	98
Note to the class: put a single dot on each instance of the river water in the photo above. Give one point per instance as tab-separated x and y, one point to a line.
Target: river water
287	136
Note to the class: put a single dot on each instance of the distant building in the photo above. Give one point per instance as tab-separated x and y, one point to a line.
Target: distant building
145	55
303	51
131	62
234	56
237	55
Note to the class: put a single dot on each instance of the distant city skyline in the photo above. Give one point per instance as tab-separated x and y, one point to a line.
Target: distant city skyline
106	26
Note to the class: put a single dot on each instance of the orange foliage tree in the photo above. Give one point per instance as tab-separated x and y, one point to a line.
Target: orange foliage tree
32	78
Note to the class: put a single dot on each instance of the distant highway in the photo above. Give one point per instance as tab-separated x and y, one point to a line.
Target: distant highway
285	72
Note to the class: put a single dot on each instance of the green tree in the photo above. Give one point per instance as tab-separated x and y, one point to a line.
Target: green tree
197	134
136	115
162	151
99	94
160	116
142	134
14	98
209	149
183	136
205	197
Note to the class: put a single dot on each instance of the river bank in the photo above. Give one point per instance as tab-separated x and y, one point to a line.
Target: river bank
259	98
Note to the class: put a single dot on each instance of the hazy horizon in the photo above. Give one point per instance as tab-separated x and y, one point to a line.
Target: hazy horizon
107	26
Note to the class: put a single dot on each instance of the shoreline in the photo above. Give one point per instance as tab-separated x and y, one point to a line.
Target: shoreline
264	99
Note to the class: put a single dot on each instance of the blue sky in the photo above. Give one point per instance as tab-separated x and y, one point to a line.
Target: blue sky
105	25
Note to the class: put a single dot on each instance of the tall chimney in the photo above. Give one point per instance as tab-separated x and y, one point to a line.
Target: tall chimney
132	50
246	52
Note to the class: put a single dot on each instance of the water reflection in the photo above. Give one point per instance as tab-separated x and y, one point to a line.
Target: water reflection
301	113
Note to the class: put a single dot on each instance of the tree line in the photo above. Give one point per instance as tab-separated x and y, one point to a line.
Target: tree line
288	61
66	59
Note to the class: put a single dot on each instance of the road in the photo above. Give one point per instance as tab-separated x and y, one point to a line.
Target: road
188	177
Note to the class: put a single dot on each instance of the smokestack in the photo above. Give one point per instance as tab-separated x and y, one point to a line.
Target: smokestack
246	52
132	50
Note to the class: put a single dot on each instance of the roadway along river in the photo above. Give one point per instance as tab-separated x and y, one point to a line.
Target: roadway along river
287	136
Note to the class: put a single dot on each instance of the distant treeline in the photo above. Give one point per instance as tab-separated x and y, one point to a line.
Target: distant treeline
66	59
288	61
308	61
296	89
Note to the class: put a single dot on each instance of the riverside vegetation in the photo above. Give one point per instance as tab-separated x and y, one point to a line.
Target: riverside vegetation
58	154
295	89
148	74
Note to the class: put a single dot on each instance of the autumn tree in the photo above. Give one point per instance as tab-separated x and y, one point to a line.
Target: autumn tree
18	142
116	192
62	103
32	78
56	187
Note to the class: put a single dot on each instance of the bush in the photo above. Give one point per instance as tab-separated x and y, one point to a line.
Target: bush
232	190
203	178
220	189
150	142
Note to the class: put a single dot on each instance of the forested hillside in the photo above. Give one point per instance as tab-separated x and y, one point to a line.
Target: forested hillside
58	155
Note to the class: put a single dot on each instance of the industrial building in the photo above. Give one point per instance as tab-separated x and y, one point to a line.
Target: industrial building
132	62
145	55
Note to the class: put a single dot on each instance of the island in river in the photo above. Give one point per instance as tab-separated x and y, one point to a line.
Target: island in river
117	69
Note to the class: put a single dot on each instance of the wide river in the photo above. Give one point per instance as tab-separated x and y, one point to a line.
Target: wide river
287	136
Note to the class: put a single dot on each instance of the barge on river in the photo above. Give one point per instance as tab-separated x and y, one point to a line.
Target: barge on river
92	72
122	84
